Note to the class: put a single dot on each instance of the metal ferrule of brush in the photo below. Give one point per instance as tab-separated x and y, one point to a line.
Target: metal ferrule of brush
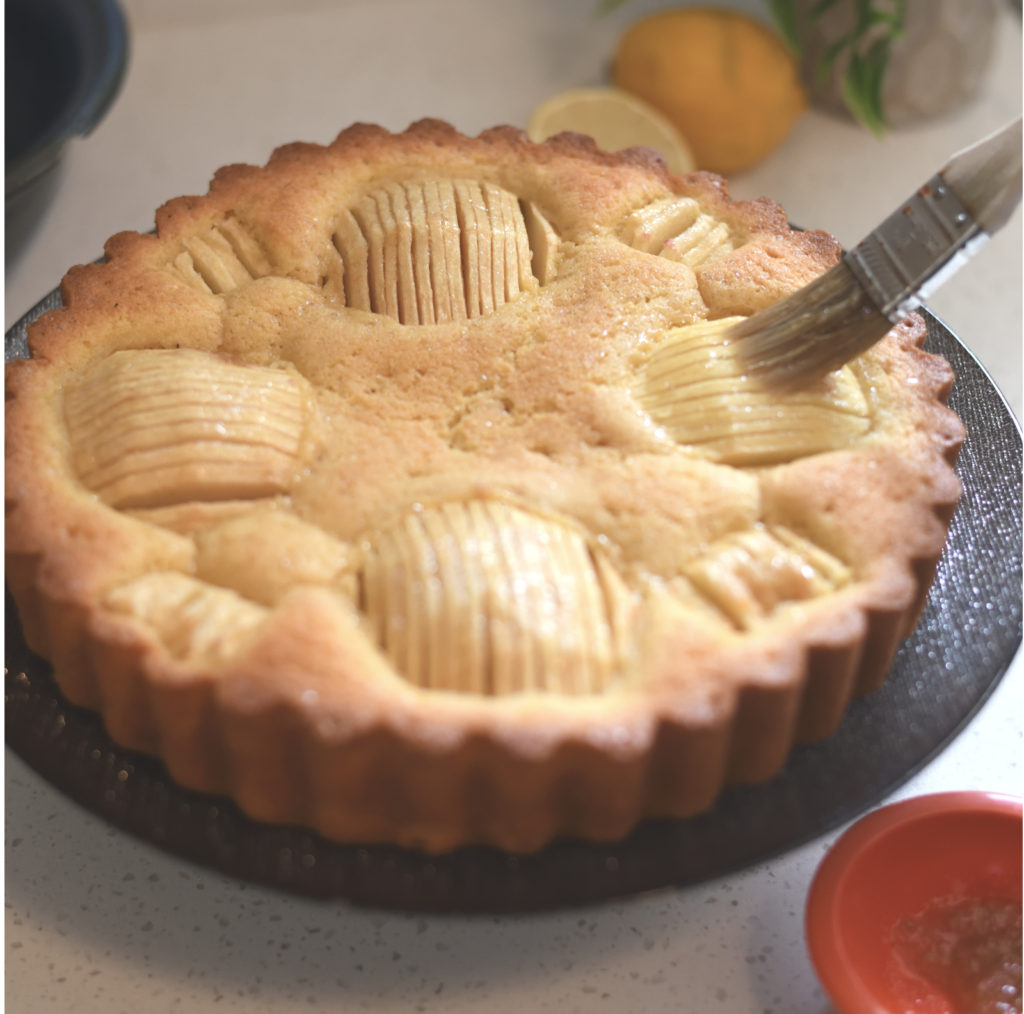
915	249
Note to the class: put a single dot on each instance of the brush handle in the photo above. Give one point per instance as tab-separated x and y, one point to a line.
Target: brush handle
933	233
987	176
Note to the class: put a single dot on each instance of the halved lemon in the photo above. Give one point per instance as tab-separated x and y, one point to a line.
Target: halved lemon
615	120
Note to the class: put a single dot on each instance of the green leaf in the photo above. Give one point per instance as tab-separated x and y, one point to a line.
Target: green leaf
876	63
901	14
829	57
862	85
862	14
889	21
784	14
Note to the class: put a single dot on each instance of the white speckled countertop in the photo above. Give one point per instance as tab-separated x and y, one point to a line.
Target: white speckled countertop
98	923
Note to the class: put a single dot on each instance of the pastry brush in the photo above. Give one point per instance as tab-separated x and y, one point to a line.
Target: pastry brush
890	272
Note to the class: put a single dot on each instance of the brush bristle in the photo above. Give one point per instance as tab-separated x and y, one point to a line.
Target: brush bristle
810	333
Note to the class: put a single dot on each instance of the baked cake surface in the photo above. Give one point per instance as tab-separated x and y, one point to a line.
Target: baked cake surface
405	489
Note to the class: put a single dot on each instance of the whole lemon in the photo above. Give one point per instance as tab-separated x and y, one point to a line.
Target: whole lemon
727	82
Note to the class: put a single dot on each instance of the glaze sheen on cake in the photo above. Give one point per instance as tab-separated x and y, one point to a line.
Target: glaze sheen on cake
405	489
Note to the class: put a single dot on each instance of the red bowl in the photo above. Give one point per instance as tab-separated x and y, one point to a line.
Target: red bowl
898	873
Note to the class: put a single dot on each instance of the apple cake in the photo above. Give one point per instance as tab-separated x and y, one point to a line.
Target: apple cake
408	489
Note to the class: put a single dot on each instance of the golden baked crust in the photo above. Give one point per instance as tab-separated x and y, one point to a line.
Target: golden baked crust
404	489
